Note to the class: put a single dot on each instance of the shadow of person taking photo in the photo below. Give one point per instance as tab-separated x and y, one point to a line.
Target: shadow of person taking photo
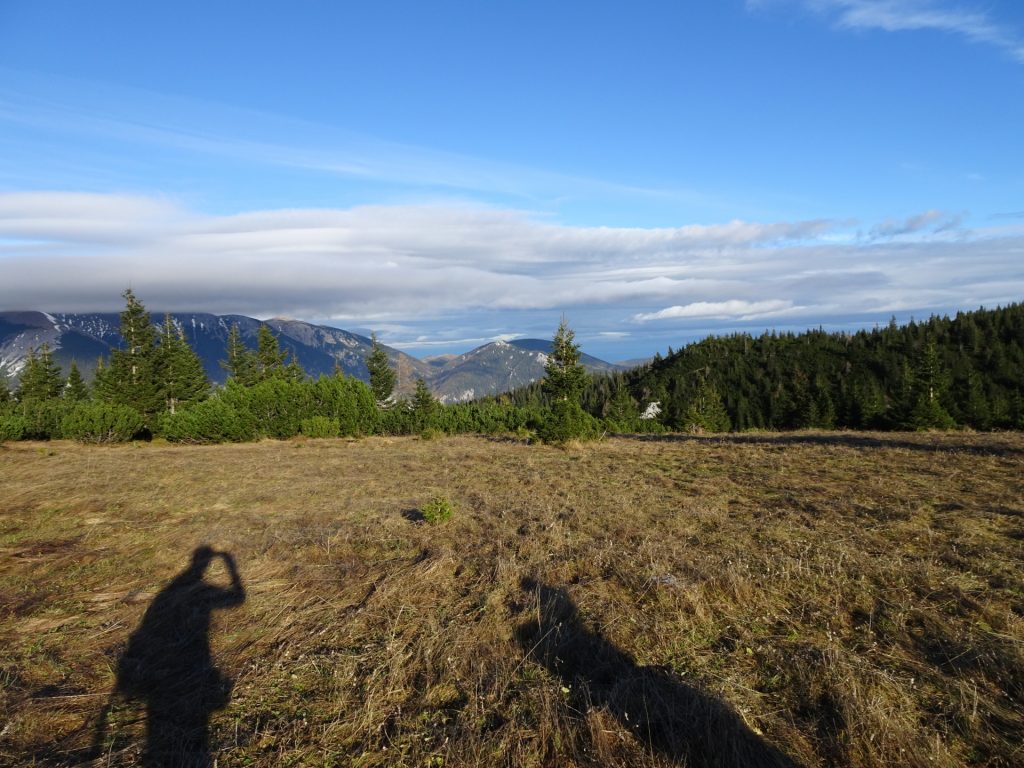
168	665
676	720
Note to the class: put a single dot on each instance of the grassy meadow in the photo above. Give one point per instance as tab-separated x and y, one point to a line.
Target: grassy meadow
803	599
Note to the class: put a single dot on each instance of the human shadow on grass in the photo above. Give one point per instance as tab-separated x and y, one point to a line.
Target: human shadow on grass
669	716
169	667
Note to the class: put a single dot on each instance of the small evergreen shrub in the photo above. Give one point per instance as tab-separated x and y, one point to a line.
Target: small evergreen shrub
12	427
396	420
438	510
211	421
43	419
568	421
346	399
927	414
102	423
523	433
275	407
649	427
320	426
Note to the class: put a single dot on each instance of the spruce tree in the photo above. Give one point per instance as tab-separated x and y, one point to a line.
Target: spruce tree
179	369
1015	416
706	412
75	390
424	406
240	363
40	378
99	375
131	377
822	408
382	375
974	404
564	377
929	385
622	412
270	358
564	381
292	371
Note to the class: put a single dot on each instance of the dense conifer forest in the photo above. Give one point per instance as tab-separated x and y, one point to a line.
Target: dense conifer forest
940	373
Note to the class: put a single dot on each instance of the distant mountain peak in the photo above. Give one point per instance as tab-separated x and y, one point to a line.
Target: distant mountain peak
492	368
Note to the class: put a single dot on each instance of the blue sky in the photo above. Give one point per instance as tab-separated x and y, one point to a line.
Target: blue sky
451	172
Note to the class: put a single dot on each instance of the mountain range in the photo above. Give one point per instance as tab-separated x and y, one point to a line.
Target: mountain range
493	368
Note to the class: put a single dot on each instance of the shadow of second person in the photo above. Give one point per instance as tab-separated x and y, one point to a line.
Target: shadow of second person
682	723
169	667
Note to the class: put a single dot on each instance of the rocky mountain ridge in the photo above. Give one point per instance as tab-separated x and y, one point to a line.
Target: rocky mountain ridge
490	369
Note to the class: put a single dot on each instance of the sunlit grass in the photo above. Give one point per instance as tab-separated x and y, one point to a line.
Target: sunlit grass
853	599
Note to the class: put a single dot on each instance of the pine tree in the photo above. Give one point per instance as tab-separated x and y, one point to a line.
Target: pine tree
382	375
240	363
99	378
706	412
622	411
40	378
868	406
1015	415
75	390
564	382
974	405
822	407
424	406
929	384
292	371
179	370
270	358
131	377
564	377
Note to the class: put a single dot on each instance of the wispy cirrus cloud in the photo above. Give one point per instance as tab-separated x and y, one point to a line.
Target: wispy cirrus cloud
931	220
968	21
140	119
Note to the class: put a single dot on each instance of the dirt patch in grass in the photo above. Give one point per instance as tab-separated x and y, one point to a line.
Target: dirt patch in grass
806	599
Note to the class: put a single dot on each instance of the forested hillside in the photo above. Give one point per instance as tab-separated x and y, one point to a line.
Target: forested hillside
942	372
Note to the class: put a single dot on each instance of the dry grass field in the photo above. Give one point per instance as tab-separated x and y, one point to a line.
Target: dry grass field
792	600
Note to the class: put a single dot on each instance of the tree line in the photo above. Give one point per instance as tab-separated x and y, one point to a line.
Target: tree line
939	374
155	385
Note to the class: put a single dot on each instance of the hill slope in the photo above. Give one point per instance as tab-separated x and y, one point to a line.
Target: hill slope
970	367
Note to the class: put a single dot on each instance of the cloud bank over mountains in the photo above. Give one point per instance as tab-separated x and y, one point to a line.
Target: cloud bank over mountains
389	266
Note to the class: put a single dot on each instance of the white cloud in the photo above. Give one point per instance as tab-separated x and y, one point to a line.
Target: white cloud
438	270
733	308
80	217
